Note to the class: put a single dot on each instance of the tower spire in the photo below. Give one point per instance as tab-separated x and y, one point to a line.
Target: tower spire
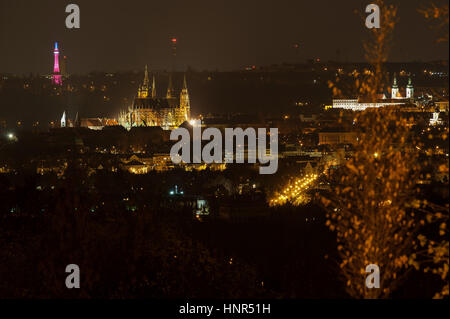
146	78
409	82
154	88
185	83
77	121
409	89
144	88
63	120
170	91
394	90
57	78
185	102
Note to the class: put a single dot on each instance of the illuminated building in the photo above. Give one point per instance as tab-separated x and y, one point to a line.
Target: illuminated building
63	120
442	106
136	167
409	90
358	104
162	162
57	77
435	120
333	138
95	124
148	110
395	93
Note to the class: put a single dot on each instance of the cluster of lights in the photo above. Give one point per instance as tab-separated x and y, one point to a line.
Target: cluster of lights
295	193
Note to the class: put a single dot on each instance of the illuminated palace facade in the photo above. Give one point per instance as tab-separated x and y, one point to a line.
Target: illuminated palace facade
149	110
396	99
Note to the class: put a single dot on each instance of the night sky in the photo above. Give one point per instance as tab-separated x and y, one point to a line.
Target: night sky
213	34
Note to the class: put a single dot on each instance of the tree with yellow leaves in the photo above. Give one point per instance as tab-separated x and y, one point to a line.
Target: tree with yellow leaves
375	208
370	206
436	251
438	15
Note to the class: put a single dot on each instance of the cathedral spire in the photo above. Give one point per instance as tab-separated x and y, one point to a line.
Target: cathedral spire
185	91
77	121
185	101
146	78
170	91
154	88
185	83
144	88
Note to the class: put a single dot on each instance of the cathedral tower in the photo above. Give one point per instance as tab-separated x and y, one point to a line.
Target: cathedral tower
185	102
145	87
170	91
154	88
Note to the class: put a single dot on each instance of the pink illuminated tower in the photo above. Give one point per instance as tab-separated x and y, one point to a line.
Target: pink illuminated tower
57	77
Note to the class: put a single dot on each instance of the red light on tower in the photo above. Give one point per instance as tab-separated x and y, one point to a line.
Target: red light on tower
174	44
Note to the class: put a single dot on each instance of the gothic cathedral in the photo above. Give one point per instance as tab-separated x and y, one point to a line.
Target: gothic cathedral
149	110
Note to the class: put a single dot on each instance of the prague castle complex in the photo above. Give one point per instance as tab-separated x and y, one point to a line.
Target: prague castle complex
148	110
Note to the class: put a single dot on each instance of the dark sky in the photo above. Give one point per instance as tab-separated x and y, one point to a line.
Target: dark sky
213	34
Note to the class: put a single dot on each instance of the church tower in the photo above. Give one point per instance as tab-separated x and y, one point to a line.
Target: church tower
63	120
185	102
409	90
394	94
77	121
154	88
145	87
170	90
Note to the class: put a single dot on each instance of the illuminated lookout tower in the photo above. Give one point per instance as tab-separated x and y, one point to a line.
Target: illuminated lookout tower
57	77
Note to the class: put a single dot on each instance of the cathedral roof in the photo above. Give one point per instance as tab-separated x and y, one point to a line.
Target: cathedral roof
151	103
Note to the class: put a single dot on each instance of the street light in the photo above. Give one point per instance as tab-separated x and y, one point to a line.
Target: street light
10	138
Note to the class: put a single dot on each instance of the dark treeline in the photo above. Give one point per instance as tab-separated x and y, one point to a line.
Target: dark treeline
138	247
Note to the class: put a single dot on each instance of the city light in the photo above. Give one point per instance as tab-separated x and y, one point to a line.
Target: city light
295	193
234	164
